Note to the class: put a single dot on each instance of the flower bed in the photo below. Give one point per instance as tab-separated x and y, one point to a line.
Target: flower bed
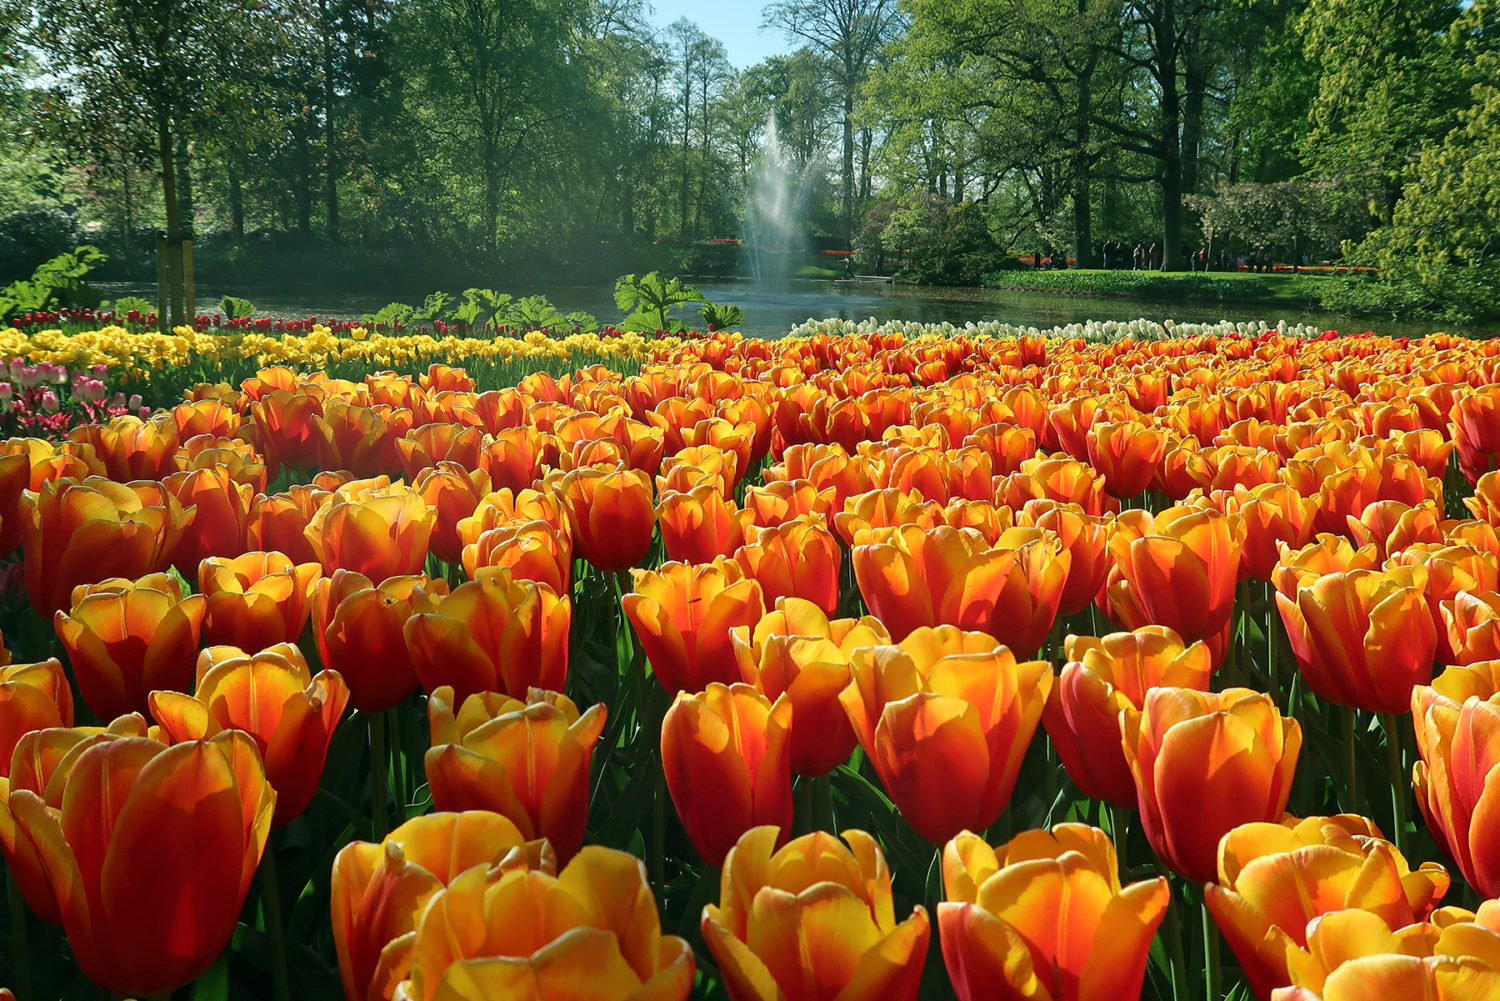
875	662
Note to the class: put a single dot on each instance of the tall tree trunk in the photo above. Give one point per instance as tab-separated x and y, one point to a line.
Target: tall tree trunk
164	151
1195	87
302	180
849	85
1083	219
491	194
330	156
236	201
186	206
866	141
127	218
687	120
1171	143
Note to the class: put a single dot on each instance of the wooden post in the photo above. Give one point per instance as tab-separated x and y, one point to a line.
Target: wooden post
174	281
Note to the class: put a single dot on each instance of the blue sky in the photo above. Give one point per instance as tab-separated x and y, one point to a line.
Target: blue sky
736	23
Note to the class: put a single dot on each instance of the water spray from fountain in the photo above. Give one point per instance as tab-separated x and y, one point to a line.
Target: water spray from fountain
775	208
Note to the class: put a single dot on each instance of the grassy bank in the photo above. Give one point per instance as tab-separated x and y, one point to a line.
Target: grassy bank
1281	289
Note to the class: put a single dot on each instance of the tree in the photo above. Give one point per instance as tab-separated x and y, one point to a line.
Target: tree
1044	59
495	87
851	33
179	65
1290	216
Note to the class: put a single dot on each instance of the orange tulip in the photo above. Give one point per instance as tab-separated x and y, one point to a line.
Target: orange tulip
610	514
1275	878
1326	554
782	500
1177	569
493	634
1088	942
945	718
452	492
272	696
78	532
133	448
1475	429
949	576
1352	956
682	616
508	507
1205	764
379	528
223	510
1085	538
795	650
1457	720
1127	453
591	933
700	524
126	638
148	850
358	627
1363	638
726	755
379	890
1272	514
527	550
1101	677
256	600
1473	627
32	697
814	919
528	761
888	507
796	559
278	523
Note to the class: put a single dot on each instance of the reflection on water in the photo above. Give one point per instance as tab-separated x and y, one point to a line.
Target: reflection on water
772	312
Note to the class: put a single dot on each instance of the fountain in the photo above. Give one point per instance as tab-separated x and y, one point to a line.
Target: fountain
773	237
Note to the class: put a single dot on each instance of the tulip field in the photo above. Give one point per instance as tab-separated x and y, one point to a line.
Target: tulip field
876	663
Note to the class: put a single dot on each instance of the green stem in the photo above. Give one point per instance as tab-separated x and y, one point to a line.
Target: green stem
1117	832
379	811
1211	953
20	952
1172	928
398	763
657	861
270	902
823	818
1399	779
1272	660
1350	799
806	821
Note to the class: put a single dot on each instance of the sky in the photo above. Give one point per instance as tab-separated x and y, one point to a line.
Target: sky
736	23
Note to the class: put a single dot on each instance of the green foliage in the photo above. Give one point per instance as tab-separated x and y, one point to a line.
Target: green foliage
944	243
391	313
1165	286
481	307
34	234
535	312
722	316
436	306
235	308
56	284
126	303
1288	216
650	301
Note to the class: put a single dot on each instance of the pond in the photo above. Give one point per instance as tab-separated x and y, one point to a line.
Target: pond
772	311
